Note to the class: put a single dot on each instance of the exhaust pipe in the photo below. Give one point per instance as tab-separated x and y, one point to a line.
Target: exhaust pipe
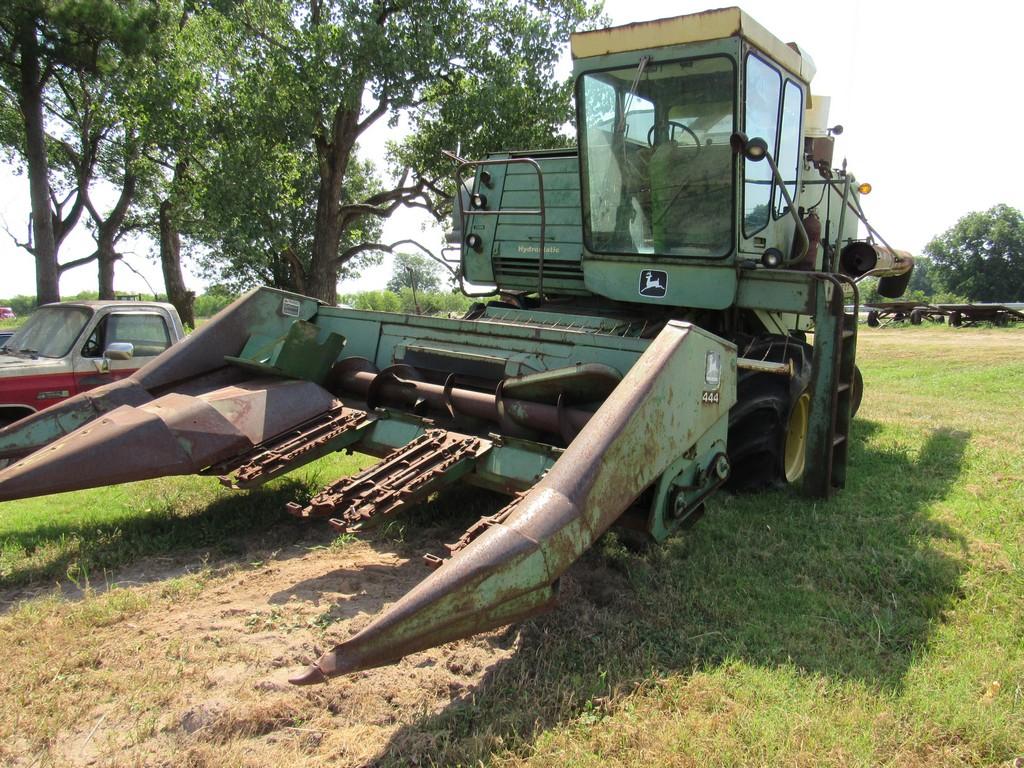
894	267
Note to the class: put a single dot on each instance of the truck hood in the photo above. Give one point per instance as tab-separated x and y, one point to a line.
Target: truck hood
12	365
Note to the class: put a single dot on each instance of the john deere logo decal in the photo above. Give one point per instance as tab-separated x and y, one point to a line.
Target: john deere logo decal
653	283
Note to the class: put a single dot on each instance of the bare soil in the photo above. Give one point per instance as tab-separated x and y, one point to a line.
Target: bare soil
202	679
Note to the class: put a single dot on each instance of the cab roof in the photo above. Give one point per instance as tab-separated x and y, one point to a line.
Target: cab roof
692	28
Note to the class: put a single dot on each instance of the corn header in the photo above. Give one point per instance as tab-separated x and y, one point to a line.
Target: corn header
643	341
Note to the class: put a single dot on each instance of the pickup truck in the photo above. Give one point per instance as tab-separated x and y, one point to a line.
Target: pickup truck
67	348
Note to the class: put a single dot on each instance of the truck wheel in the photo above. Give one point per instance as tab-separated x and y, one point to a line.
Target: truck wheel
768	423
873	319
915	317
956	319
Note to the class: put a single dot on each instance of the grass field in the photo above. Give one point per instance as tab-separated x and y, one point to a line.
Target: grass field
151	624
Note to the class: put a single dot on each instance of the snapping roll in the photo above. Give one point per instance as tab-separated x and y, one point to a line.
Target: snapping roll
894	267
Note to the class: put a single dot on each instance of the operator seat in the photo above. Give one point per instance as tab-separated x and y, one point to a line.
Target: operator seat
691	198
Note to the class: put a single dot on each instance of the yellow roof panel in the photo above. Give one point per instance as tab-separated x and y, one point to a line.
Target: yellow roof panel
692	28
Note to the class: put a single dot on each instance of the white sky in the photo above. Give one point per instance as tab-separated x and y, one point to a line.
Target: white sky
928	92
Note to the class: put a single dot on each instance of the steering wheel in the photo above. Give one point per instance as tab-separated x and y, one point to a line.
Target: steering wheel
672	125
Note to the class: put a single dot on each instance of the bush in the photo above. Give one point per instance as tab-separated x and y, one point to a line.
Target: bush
441	303
210	303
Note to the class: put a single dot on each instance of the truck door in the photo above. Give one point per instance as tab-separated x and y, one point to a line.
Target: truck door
146	331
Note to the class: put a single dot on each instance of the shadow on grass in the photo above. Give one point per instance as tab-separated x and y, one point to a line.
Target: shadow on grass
849	588
222	528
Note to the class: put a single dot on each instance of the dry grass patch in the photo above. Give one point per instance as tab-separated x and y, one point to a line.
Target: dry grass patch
882	627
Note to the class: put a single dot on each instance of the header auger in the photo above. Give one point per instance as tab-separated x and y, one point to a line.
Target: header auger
646	344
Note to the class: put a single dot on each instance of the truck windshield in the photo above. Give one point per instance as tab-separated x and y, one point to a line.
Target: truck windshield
657	169
49	332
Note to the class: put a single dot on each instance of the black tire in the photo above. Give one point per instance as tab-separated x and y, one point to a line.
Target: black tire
873	319
856	391
956	319
916	316
759	421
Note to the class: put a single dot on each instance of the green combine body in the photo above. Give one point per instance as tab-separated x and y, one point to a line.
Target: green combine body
641	341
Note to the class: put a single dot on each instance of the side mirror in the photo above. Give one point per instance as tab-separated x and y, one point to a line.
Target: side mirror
119	350
755	149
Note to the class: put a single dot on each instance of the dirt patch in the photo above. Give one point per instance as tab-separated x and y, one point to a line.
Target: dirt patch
203	680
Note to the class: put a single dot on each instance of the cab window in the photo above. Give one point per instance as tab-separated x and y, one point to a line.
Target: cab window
789	143
147	333
764	85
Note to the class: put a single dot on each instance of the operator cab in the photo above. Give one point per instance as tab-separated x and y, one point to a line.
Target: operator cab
660	185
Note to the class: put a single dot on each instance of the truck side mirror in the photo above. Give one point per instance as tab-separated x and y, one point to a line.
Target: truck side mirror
117	350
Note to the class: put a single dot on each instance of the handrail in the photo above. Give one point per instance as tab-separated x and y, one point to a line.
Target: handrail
541	211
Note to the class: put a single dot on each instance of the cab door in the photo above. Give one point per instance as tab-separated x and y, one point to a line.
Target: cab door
146	331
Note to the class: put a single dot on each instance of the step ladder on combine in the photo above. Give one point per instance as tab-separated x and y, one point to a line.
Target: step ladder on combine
833	388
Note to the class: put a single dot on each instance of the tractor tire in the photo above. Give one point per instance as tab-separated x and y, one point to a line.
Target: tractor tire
768	424
916	316
873	319
956	319
856	391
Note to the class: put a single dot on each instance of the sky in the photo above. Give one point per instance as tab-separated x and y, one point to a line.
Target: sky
927	92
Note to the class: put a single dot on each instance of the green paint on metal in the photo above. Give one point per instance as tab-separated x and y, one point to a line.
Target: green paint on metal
306	351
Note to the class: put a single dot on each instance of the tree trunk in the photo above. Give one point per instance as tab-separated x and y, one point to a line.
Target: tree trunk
107	257
108	230
322	280
170	261
333	158
44	246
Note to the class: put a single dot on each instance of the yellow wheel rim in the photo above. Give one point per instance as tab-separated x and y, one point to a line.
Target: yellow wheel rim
796	438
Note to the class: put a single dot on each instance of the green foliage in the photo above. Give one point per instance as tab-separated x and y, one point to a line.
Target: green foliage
305	83
377	301
982	256
21	304
66	74
925	287
923	279
438	303
213	301
418	273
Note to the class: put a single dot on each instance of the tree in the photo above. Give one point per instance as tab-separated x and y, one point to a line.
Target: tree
48	49
312	76
416	272
923	279
982	256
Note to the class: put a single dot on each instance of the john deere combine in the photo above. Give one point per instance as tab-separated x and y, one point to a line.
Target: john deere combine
645	341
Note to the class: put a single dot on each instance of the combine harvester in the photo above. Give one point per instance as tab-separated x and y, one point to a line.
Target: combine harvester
646	341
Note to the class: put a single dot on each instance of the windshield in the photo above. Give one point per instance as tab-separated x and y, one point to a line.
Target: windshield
50	331
656	163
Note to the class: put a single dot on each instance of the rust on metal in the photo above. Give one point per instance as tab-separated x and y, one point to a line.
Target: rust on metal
405	476
474	532
173	435
326	432
398	386
511	570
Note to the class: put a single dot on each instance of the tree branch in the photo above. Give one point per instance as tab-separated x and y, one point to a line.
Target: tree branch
62	268
373	116
355	250
27	245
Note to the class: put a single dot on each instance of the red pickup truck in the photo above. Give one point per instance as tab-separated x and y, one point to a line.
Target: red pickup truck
63	349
